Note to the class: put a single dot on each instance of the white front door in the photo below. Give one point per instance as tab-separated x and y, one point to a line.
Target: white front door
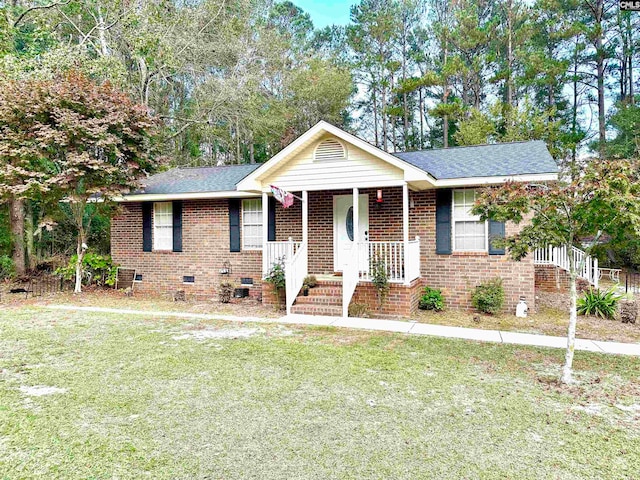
343	229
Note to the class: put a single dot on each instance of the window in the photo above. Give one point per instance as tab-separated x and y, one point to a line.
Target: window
252	224
163	226
469	233
188	279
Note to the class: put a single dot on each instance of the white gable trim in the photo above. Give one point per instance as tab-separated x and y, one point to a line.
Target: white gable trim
252	181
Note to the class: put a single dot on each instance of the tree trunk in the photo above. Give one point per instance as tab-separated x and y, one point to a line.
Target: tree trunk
80	254
598	14
421	107
16	215
29	233
375	116
567	370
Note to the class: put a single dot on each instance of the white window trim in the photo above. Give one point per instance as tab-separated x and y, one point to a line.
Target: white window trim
155	226
242	226
453	227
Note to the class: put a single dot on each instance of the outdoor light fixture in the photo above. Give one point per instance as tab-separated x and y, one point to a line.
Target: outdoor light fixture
379	196
412	202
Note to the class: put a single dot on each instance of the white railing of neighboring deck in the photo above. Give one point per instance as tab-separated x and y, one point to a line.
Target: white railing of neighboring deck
557	256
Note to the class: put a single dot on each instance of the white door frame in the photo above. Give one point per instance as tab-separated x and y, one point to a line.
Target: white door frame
363	199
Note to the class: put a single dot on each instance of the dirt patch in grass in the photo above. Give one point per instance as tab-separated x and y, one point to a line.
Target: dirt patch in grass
110	298
547	321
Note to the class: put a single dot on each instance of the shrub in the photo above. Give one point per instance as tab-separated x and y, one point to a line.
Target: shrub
603	304
431	299
98	269
360	310
380	279
489	297
310	281
277	278
225	291
7	267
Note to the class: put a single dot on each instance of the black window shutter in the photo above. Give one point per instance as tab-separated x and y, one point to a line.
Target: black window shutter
272	220
443	222
234	225
496	230
147	210
177	225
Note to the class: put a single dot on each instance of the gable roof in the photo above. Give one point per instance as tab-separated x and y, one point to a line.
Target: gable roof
252	181
496	160
197	179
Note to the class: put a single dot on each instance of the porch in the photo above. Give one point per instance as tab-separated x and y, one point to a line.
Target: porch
350	235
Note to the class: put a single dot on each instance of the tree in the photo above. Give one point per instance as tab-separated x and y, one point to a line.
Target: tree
604	200
73	140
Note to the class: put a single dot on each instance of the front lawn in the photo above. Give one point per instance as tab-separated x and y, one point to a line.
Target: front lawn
110	396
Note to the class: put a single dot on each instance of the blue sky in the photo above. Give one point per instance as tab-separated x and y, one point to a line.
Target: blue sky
326	12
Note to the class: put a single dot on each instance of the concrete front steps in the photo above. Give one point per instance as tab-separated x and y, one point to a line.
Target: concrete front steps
325	299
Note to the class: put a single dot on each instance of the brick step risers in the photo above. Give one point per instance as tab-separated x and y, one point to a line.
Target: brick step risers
325	292
311	309
319	300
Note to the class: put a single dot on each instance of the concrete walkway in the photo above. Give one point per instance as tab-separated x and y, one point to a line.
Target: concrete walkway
411	328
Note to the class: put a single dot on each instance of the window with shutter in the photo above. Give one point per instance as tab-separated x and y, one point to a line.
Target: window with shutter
252	224
163	226
469	232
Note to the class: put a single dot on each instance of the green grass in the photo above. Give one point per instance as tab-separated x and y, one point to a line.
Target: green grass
301	403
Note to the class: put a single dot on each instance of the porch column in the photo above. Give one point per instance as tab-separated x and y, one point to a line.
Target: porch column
265	233
305	216
405	227
356	216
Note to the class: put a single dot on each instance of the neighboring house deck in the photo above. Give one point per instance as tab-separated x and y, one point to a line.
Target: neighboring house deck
409	211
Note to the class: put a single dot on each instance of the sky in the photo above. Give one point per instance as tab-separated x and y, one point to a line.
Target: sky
326	12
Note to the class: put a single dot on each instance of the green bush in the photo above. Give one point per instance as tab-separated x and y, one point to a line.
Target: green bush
98	269
599	303
431	299
489	297
7	267
311	281
380	279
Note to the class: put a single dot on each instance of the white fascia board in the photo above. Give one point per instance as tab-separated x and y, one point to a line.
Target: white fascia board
159	197
497	180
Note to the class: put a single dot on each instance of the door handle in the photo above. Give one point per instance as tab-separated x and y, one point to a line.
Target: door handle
366	235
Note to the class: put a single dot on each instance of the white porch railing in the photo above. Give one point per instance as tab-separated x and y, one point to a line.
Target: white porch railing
412	260
295	269
402	264
279	251
350	277
557	256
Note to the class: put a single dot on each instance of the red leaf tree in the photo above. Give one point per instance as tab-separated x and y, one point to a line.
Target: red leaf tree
73	140
603	199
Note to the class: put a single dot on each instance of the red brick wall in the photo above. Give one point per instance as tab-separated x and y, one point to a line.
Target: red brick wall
205	243
556	280
402	300
206	247
459	273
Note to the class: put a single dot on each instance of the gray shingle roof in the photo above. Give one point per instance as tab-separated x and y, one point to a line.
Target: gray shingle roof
501	159
197	179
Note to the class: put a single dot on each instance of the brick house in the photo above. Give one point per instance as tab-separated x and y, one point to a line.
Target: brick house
191	228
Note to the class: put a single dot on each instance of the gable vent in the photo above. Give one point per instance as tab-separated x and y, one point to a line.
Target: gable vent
330	149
